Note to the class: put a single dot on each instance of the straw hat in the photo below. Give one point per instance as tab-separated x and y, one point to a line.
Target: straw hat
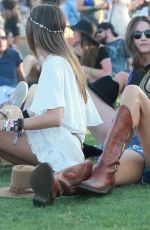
10	112
20	183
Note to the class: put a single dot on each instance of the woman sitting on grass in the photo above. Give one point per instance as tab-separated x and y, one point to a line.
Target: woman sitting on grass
135	161
116	166
61	104
139	47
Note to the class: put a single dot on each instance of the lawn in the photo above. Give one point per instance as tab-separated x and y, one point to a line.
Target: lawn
125	208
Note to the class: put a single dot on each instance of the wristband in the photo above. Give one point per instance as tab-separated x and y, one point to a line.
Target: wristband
90	8
91	71
14	125
9	125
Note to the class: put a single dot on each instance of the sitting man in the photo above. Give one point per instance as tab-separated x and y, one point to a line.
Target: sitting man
11	68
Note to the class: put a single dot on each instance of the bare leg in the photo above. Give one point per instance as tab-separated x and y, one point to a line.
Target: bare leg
13	159
106	112
121	78
16	154
130	168
139	104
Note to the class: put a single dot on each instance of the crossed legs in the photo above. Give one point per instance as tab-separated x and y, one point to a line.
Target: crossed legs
133	113
139	105
131	163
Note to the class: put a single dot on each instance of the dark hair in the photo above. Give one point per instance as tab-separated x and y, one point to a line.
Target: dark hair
9	4
106	26
90	50
89	44
135	54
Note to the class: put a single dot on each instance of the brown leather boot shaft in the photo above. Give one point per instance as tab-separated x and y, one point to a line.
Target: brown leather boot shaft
119	134
66	181
102	178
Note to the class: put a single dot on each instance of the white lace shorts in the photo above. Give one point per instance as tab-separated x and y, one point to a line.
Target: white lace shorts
56	146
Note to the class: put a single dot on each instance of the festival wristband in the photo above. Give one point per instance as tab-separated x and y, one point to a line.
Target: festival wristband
9	125
14	125
90	8
91	72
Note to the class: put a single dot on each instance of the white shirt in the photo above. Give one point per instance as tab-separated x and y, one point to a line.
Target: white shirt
57	87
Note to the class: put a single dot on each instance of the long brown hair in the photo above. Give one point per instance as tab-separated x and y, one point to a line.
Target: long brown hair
135	54
90	51
44	30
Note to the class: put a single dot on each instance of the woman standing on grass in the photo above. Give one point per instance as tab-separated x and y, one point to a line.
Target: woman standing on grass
61	105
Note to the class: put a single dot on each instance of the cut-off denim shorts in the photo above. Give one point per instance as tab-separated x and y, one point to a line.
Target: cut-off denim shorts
135	145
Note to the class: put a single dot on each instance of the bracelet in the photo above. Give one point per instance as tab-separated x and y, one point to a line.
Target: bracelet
14	125
91	71
90	8
9	125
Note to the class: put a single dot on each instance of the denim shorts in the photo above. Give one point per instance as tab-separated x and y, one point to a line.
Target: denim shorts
135	145
145	178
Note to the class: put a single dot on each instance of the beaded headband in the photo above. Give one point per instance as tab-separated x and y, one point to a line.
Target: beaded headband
44	27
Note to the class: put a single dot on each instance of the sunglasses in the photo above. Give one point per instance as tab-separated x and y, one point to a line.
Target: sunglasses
138	34
3	37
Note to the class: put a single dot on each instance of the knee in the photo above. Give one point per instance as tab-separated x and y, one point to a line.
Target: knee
133	92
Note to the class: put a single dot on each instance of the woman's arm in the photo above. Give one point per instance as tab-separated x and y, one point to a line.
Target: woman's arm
93	74
20	73
52	118
28	63
83	9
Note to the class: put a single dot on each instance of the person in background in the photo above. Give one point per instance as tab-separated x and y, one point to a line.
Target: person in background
69	9
11	68
88	9
139	8
11	73
93	56
2	22
12	17
119	16
116	47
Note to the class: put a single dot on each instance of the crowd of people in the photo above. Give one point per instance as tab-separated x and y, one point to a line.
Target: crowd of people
68	83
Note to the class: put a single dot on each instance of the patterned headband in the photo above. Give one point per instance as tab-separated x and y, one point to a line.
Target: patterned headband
44	27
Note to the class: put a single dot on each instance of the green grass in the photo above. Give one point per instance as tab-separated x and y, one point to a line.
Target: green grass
126	208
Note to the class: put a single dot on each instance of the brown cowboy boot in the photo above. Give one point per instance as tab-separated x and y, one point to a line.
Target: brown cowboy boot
47	185
103	175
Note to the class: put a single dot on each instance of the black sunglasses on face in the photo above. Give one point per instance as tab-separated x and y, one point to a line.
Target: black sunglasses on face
3	37
138	34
